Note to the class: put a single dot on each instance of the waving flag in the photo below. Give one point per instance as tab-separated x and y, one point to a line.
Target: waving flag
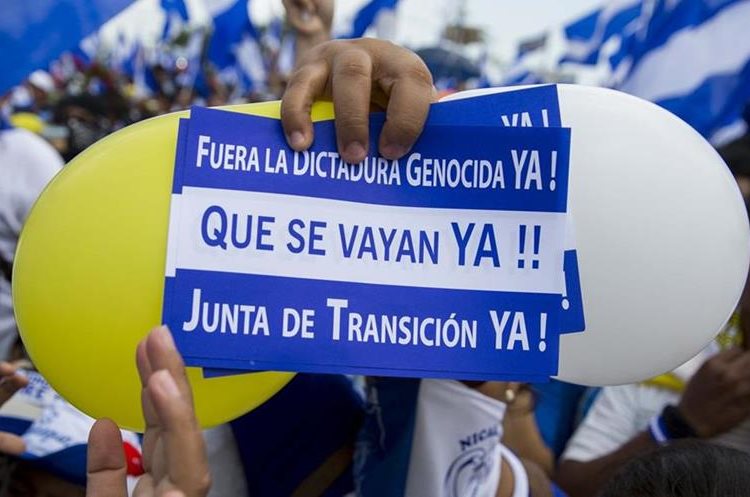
659	20
33	34
692	58
586	36
175	15
234	48
370	15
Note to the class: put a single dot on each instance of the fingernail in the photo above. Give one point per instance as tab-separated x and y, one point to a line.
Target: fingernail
393	151
164	382
355	152
165	337
297	140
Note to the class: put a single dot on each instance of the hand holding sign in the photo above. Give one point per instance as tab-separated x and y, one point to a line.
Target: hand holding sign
354	74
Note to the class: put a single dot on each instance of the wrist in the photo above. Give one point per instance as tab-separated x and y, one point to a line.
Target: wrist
671	424
698	428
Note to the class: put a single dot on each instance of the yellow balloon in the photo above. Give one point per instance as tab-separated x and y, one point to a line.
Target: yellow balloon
88	278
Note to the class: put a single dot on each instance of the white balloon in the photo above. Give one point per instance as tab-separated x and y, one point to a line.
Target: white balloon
661	232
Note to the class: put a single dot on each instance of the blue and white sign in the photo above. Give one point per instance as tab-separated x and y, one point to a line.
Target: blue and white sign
536	106
446	263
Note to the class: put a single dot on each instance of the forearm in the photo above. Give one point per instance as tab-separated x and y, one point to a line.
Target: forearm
586	479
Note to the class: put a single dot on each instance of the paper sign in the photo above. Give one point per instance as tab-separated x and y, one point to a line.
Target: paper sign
530	107
447	263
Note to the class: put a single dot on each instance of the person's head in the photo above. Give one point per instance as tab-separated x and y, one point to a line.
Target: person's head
689	468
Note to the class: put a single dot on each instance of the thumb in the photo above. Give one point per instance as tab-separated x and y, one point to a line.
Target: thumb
105	463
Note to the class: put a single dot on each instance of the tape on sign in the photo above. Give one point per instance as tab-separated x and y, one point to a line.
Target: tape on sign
661	233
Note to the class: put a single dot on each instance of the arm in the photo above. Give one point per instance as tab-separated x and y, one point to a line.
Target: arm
715	400
10	382
610	434
585	479
521	433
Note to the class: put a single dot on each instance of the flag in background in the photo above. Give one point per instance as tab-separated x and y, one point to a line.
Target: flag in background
175	16
234	47
692	57
59	24
586	36
379	13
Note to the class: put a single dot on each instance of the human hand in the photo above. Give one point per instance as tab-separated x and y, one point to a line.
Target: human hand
174	454
717	397
356	74
11	381
310	17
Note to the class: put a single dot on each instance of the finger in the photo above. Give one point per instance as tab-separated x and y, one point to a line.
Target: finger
185	449
305	85
142	361
152	430
105	464
162	354
11	444
407	111
351	82
10	381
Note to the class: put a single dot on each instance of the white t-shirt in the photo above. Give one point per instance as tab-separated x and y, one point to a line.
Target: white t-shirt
620	413
27	164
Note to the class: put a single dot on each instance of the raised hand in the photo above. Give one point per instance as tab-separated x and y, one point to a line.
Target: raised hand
174	454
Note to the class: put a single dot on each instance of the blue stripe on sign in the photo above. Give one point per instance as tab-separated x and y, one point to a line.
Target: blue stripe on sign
467	355
511	146
717	102
179	155
535	107
68	463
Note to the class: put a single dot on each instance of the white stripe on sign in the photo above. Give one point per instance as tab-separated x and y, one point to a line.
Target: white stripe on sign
292	236
719	46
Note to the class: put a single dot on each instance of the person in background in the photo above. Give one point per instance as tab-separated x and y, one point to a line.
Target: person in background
311	21
27	164
683	469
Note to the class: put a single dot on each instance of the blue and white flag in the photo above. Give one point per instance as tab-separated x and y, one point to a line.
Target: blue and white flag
234	48
586	36
373	13
33	34
693	59
175	15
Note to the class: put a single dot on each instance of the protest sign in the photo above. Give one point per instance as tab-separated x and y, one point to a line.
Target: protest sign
447	263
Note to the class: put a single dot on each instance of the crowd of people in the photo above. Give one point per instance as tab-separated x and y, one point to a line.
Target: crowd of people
685	433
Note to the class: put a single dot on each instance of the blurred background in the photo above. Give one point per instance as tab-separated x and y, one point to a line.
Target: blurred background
75	70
